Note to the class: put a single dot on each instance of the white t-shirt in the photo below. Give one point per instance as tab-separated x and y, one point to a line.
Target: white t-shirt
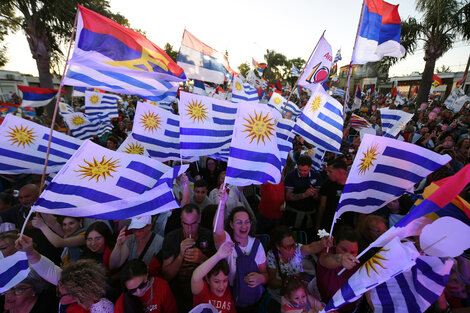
260	257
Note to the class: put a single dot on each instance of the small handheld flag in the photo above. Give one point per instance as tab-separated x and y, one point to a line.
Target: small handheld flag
37	97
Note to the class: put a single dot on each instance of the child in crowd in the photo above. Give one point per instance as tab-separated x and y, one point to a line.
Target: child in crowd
297	299
210	281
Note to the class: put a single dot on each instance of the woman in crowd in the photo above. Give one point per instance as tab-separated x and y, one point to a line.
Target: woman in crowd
210	173
285	258
235	195
143	293
72	241
80	283
240	229
209	283
99	244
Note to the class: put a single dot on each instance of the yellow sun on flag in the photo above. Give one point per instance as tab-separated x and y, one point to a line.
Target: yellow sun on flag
373	261
134	148
97	170
150	121
94	99
197	111
238	86
153	103
316	104
259	127
277	100
63	107
78	120
369	156
21	136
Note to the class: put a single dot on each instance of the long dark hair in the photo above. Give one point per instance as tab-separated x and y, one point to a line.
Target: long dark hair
103	230
133	268
231	216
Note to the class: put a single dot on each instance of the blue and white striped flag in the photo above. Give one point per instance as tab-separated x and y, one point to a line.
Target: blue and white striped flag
199	88
158	130
64	108
99	183
317	155
85	127
393	121
414	290
243	91
384	168
391	260
132	146
206	124
23	146
277	101
285	136
98	103
254	152
13	270
295	71
321	121
80	91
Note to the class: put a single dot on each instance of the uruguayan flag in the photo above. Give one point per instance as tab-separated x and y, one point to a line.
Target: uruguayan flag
85	127
64	108
132	146
158	130
199	88
98	103
277	101
23	146
80	91
414	290
391	260
295	71
321	121
317	155
384	168
285	136
393	121
206	124
243	91
99	183
254	153
13	270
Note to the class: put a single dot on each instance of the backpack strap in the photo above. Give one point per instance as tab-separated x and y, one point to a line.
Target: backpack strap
147	246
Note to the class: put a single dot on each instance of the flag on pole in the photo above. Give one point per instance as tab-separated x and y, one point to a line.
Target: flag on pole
414	93
104	184
80	91
199	88
393	121
436	81
37	97
321	121
260	68
105	104
379	33
13	270
358	122
83	126
158	130
254	153
117	59
334	70
243	91
384	168
461	82
64	108
357	99
200	61
414	290
131	146
24	145
317	155
277	102
391	260
337	57
295	71
285	136
206	124
318	68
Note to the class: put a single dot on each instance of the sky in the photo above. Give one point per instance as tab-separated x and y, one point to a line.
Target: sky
247	28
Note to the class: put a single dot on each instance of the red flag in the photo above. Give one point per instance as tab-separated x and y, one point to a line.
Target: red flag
436	81
460	83
279	85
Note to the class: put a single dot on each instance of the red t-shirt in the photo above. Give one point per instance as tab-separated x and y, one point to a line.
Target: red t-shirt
163	300
223	304
272	197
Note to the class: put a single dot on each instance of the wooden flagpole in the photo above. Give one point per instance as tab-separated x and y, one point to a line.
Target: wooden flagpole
295	85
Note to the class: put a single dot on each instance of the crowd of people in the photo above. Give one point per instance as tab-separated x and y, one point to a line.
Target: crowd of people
241	249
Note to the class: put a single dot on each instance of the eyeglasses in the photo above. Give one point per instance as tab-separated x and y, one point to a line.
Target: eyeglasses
16	291
142	285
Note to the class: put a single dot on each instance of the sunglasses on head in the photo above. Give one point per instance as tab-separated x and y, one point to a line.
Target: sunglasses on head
141	286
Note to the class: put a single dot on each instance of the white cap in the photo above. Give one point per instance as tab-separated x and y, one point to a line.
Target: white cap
140	222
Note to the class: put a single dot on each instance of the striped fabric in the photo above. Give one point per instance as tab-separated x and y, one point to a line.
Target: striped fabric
243	91
98	103
85	127
393	121
13	270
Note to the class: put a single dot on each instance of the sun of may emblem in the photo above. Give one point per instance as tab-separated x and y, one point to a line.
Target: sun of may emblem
97	170
78	120
63	107
277	100
196	111
21	136
134	148
373	261
366	162
316	104
150	121
259	127
238	86
94	99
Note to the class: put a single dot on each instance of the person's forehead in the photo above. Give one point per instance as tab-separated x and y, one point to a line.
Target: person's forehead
200	189
241	216
189	217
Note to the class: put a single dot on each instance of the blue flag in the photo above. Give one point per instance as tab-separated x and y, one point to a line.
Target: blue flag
13	270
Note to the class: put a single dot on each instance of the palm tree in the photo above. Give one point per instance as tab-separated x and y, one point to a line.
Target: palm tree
443	23
274	61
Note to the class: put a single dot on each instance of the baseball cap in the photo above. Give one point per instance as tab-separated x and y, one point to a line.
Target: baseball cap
140	222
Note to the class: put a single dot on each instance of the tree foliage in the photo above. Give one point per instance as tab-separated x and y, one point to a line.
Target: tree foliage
244	68
172	53
274	65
